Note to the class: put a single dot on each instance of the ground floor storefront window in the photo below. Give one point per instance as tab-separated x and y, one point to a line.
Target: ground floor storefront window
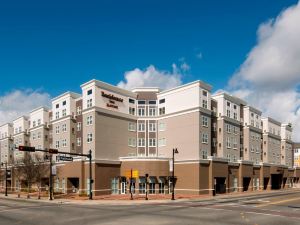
142	185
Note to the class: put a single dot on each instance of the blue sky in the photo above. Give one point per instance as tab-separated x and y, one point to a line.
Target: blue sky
57	45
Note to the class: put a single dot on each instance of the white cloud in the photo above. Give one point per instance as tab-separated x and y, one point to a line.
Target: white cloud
199	55
152	77
19	102
270	76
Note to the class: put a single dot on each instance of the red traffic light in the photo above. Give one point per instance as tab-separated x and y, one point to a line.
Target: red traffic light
53	151
26	149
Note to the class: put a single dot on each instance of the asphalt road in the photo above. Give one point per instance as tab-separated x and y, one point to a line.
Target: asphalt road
276	208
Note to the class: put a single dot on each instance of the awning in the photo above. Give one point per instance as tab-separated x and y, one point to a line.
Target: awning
152	180
162	180
142	180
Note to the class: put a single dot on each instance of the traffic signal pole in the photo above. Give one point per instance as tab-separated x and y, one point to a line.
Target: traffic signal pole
55	151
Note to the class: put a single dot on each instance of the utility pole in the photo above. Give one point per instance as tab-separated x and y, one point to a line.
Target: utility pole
50	180
91	177
6	178
175	151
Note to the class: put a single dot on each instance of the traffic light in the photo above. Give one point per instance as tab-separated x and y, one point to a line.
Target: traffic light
26	149
53	151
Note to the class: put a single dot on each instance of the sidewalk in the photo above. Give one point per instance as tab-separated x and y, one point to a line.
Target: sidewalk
140	199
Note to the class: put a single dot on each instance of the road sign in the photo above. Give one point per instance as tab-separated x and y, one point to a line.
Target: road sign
65	158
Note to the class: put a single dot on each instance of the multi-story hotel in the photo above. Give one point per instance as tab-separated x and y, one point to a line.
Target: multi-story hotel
223	143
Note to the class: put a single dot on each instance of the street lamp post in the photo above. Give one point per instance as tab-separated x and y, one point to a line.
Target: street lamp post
175	151
5	177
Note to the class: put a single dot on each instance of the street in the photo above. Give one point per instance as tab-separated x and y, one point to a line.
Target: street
274	208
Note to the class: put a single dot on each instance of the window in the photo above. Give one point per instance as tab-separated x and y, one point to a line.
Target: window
33	136
204	138
141	126
162	111
228	128
89	103
234	143
39	135
234	106
57	106
79	126
152	102
64	103
228	113
152	127
161	188
56	115
151	188
228	143
33	124
131	126
235	115
131	142
228	104
141	142
152	111
79	141
152	142
57	129
161	101
204	103
64	143
142	187
141	111
57	144
162	127
204	121
64	128
131	101
78	110
204	93
39	122
162	142
89	137
89	92
89	120
204	154
131	111
64	112
141	102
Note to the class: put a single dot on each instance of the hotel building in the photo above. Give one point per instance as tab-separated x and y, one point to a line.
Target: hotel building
224	144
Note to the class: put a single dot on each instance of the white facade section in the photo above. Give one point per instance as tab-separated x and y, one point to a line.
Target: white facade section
21	125
6	130
252	117
64	105
39	117
271	126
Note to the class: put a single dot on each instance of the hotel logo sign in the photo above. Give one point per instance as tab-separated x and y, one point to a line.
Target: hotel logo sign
112	100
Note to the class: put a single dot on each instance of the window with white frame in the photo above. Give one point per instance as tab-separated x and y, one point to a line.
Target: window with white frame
33	136
162	142
204	154
56	144
39	122
162	111
79	141
228	113
141	142
162	126
152	127
33	124
57	129
64	143
64	112
152	111
141	111
64	128
131	111
235	115
56	115
89	103
89	120
89	137
204	121
234	143
78	110
131	126
39	135
141	126
131	142
204	103
152	142
79	126
204	138
228	128
228	143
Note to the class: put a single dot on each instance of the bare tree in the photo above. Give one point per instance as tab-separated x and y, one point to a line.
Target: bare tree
41	169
